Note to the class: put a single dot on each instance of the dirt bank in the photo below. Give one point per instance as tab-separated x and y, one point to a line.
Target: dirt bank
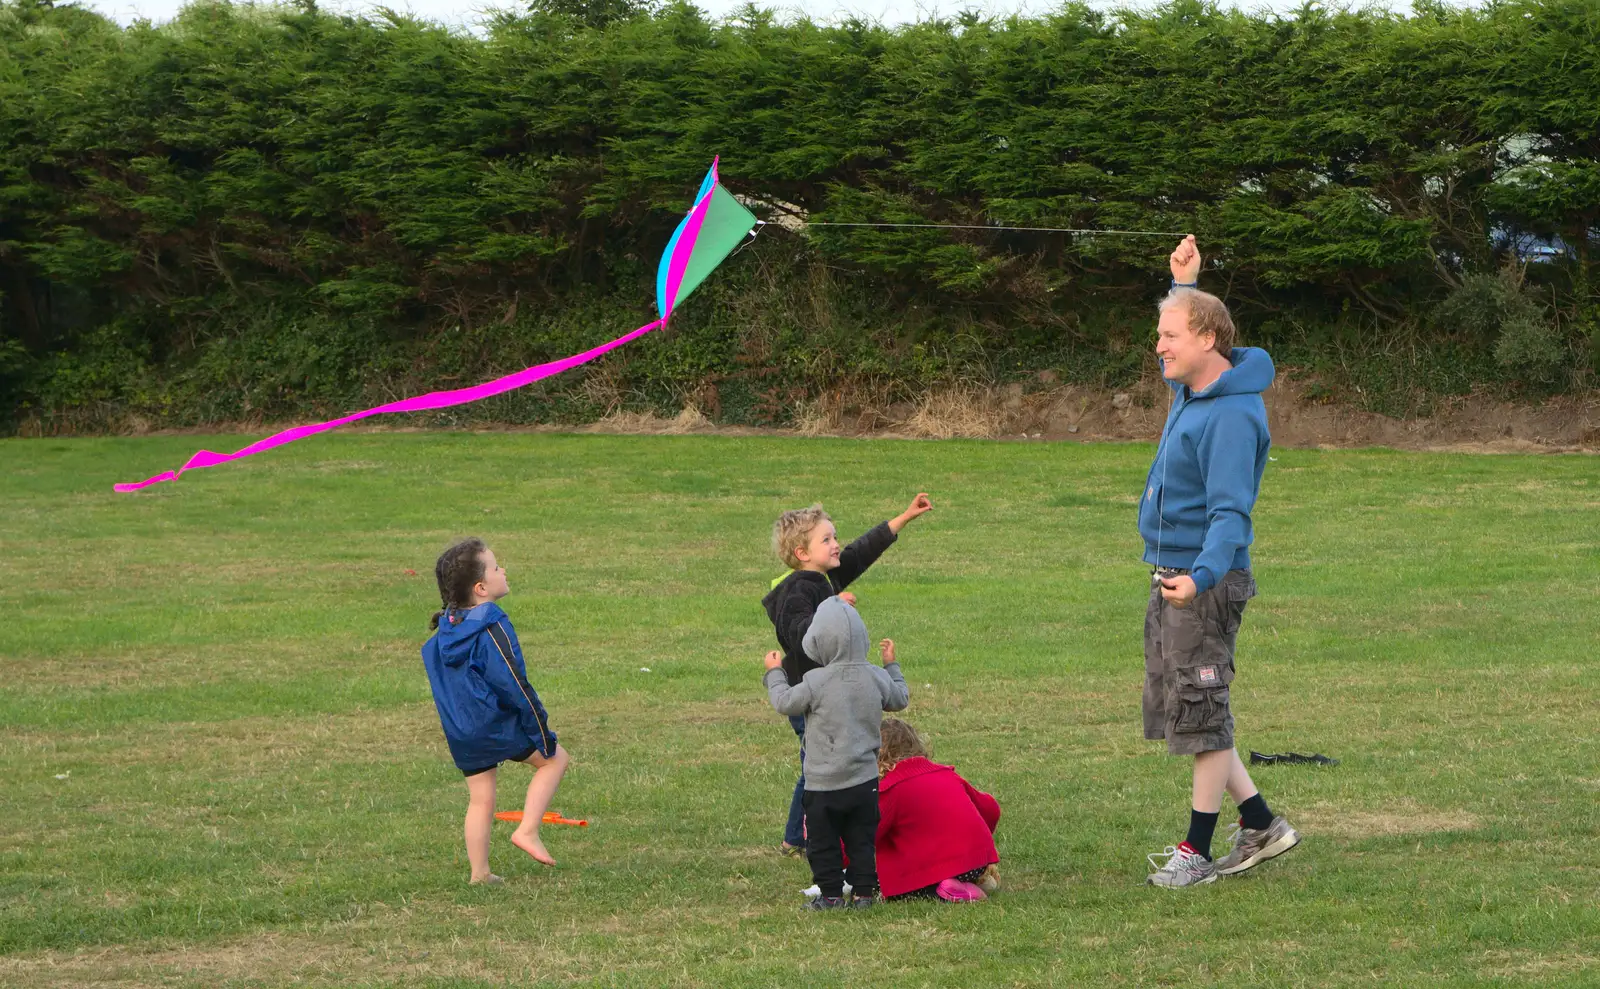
1044	409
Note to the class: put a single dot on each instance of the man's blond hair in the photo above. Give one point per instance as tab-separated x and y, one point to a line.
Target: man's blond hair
793	530
1207	314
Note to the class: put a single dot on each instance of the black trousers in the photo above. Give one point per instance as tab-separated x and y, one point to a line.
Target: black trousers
849	816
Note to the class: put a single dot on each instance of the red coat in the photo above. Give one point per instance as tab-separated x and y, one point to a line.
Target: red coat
933	825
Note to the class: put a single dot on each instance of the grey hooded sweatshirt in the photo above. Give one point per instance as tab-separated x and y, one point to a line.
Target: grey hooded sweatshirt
843	702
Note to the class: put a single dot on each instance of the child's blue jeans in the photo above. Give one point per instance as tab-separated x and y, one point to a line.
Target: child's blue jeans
794	830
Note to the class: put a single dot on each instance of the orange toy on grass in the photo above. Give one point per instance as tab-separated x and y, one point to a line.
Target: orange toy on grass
550	817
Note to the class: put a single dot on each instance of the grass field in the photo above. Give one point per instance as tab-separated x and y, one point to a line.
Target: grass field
222	766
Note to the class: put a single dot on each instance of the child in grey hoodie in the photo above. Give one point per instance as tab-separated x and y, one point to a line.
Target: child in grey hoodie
843	704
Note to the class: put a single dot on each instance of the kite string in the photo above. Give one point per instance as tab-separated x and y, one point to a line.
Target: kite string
750	238
986	226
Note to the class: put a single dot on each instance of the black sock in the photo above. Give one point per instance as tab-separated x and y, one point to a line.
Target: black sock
1253	814
1201	827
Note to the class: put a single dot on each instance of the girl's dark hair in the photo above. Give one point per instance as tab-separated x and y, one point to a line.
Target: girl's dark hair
459	568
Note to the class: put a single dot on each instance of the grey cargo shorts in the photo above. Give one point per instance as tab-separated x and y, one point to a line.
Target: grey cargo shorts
1188	664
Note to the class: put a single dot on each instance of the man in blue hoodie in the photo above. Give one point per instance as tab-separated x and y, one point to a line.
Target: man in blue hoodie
1195	520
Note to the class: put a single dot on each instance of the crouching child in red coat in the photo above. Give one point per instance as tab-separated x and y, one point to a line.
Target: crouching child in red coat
935	830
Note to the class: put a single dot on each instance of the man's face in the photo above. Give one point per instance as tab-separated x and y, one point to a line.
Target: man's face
1183	352
821	551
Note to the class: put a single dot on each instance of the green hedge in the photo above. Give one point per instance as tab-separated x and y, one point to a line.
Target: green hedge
276	211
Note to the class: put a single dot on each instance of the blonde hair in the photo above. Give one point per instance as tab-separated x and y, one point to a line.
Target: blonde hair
900	741
793	530
1207	314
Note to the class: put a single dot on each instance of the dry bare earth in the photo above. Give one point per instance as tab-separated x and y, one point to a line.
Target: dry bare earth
1045	409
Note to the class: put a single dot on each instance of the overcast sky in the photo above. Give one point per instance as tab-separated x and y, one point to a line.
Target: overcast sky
467	12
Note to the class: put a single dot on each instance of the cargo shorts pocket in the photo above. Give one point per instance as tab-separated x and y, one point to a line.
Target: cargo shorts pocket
1202	697
1236	594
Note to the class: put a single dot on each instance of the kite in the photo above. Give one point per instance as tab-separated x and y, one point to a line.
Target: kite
550	817
714	226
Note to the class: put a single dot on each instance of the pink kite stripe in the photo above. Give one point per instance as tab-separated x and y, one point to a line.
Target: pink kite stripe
421	403
685	246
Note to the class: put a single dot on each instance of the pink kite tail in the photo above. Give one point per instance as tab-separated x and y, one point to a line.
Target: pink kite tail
421	403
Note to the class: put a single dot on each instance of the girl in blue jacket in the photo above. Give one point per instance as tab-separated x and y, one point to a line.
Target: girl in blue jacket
489	711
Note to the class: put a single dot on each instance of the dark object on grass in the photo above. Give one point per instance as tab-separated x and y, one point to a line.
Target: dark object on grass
1263	759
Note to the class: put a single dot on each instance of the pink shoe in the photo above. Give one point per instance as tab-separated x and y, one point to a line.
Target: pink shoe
957	891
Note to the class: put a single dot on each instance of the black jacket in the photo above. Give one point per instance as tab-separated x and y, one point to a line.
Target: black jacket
793	603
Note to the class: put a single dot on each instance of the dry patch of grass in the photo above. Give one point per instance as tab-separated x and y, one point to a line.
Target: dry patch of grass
179	666
1407	817
688	420
283	959
239	743
372	951
957	412
344	465
819	417
623	421
1515	964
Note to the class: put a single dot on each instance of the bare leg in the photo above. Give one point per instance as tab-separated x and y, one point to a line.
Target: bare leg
547	775
480	822
1240	786
1211	773
1218	771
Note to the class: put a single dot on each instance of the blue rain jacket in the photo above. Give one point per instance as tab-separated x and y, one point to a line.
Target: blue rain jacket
487	708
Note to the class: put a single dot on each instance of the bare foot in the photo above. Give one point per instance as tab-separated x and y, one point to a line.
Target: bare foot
531	844
490	880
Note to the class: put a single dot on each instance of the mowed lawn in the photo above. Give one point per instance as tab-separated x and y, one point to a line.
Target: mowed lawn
222	767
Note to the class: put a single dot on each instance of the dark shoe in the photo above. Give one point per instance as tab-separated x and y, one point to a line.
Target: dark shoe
826	903
860	902
792	851
1290	758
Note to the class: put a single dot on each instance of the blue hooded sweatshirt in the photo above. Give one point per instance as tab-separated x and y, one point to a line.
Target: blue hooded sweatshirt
480	686
1195	513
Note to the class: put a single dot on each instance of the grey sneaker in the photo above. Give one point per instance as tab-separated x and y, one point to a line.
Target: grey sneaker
1252	847
1182	868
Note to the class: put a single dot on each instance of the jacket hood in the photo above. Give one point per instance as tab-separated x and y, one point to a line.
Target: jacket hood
1251	374
836	635
458	630
909	769
770	602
